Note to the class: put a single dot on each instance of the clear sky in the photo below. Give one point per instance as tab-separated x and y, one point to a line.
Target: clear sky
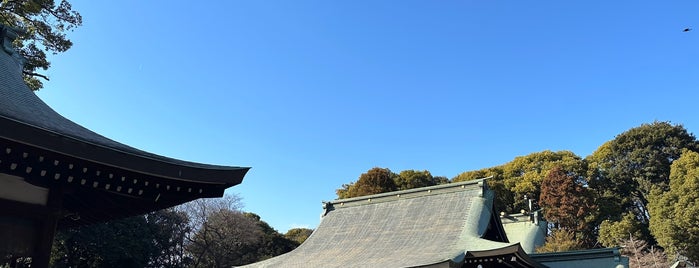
311	94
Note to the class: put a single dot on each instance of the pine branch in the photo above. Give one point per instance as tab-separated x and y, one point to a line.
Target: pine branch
36	74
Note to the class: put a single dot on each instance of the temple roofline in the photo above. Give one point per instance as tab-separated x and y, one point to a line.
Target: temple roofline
410	193
26	119
35	136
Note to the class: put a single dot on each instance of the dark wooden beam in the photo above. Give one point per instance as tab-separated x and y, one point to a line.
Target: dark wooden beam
23	210
47	229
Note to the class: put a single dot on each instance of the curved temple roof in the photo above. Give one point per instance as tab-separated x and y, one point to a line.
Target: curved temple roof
433	226
97	178
27	119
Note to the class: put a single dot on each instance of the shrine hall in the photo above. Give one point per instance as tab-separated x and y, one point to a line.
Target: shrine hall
56	174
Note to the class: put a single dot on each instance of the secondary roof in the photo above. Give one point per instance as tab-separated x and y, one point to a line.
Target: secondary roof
427	227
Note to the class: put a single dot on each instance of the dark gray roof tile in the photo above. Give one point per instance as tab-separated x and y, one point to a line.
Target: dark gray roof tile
427	226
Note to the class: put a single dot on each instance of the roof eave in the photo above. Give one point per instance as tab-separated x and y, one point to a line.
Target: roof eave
17	131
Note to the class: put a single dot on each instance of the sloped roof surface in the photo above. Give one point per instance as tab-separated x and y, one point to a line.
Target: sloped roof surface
26	118
426	226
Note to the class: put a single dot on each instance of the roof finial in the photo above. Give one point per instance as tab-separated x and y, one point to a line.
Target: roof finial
327	207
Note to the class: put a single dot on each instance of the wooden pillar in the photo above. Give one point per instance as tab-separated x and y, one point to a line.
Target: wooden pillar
46	229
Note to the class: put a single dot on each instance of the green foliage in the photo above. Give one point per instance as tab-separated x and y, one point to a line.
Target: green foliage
271	244
616	233
675	213
45	24
376	180
409	179
624	170
299	235
169	229
122	243
522	176
560	240
504	197
440	180
566	203
603	198
380	180
202	233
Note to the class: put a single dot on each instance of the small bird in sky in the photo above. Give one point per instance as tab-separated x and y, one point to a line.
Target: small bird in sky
687	29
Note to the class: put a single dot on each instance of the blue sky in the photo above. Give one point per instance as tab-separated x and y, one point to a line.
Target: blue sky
311	94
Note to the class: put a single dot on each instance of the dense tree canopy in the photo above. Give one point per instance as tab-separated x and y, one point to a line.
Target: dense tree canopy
624	170
376	180
271	244
380	180
616	233
225	236
674	213
567	204
299	235
523	176
121	243
43	25
409	179
203	233
504	198
221	240
561	240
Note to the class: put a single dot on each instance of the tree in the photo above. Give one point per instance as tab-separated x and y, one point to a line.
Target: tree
223	235
380	180
221	240
566	203
169	229
522	177
271	242
43	25
675	213
409	179
202	233
299	235
120	243
152	240
560	240
642	255
616	233
623	171
376	180
524	174
440	180
504	197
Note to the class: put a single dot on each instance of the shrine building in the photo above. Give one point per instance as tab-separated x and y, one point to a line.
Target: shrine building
56	174
445	226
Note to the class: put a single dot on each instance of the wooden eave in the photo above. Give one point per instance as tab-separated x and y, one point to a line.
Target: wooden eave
93	192
96	178
510	256
135	161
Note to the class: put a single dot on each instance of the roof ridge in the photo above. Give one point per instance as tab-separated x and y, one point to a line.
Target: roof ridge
478	184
